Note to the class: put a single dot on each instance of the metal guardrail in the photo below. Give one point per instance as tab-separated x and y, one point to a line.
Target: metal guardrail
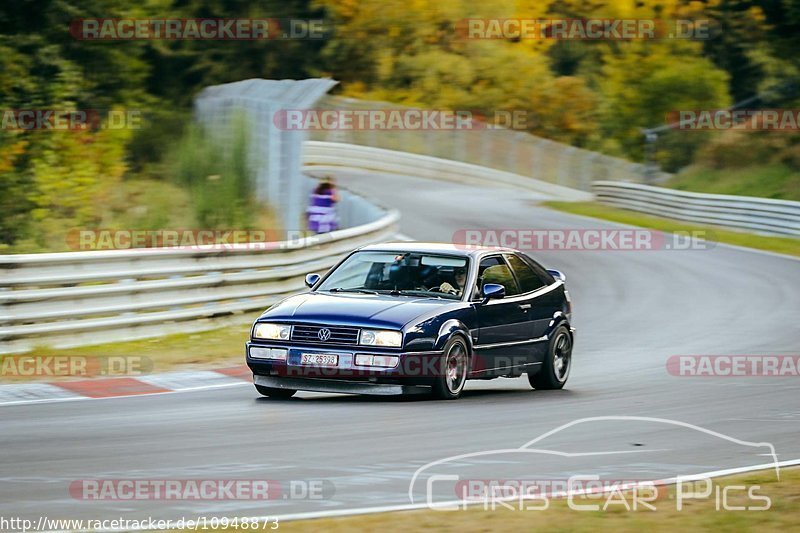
322	155
77	298
762	215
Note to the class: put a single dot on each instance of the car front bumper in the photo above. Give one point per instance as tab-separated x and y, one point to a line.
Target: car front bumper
413	368
339	386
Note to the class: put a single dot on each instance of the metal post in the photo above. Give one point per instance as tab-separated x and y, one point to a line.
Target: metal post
650	166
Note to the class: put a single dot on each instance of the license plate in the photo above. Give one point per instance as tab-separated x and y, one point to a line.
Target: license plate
319	359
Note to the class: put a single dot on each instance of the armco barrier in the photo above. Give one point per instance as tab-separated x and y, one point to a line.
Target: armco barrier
762	215
76	298
322	154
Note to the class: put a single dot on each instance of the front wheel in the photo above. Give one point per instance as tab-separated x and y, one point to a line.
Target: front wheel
557	363
275	393
453	374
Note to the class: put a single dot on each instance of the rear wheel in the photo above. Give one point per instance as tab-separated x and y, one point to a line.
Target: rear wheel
557	362
454	364
275	393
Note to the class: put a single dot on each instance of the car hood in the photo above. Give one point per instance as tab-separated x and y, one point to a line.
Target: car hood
363	310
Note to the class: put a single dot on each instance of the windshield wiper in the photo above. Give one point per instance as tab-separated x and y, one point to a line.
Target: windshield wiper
415	292
342	289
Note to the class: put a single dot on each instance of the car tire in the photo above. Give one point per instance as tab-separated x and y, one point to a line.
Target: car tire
275	393
454	369
557	364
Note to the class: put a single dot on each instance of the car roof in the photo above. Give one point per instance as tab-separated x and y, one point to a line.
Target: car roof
434	247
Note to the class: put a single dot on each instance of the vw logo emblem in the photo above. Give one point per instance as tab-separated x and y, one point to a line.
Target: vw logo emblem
324	334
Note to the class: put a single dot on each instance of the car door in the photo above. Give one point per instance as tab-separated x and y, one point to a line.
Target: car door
541	300
502	324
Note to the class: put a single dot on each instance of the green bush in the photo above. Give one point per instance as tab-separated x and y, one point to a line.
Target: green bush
216	171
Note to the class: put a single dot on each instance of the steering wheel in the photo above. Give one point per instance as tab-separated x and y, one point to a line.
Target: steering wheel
438	288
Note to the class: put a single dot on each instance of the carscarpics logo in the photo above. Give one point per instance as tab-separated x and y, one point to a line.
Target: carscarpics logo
324	334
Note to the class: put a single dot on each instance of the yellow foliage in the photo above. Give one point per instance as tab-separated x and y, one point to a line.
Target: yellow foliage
9	154
75	174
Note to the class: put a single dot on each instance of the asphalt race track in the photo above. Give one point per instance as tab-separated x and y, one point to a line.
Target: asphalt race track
633	310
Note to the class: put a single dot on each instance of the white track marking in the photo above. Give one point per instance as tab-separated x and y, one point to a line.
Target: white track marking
423	506
239	383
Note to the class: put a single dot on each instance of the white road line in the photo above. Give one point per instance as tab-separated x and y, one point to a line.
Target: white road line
422	506
337	513
126	397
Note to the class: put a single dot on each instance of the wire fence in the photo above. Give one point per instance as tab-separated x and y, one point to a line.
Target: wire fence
493	147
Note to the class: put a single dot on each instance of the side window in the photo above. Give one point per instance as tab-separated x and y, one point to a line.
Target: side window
494	270
527	278
543	274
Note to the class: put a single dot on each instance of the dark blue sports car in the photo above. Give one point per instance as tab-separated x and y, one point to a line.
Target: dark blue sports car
403	318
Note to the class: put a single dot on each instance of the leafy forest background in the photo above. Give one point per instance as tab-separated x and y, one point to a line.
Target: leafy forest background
593	94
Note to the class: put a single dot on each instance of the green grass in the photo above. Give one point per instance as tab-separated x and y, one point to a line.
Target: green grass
144	204
768	181
213	348
784	245
696	515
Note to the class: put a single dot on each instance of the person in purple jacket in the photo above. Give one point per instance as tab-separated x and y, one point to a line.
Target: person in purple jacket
321	212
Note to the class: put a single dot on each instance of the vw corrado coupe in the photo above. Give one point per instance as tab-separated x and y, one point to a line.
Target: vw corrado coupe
404	318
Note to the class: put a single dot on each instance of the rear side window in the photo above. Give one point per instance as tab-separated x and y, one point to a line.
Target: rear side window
527	278
494	270
542	272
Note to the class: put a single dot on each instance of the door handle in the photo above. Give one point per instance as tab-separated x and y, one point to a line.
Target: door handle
524	306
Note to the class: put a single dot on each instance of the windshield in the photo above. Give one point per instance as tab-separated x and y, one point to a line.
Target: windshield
400	273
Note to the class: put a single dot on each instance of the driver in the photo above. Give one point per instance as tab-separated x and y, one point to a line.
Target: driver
460	275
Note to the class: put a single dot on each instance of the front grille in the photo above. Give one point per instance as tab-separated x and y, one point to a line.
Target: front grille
339	334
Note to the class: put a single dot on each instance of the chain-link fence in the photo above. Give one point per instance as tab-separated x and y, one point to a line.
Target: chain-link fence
274	154
493	147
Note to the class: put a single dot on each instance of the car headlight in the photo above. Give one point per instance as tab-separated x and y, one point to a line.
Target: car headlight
267	330
380	337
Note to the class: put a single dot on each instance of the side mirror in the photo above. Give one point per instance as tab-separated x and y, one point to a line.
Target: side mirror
493	291
311	280
558	275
